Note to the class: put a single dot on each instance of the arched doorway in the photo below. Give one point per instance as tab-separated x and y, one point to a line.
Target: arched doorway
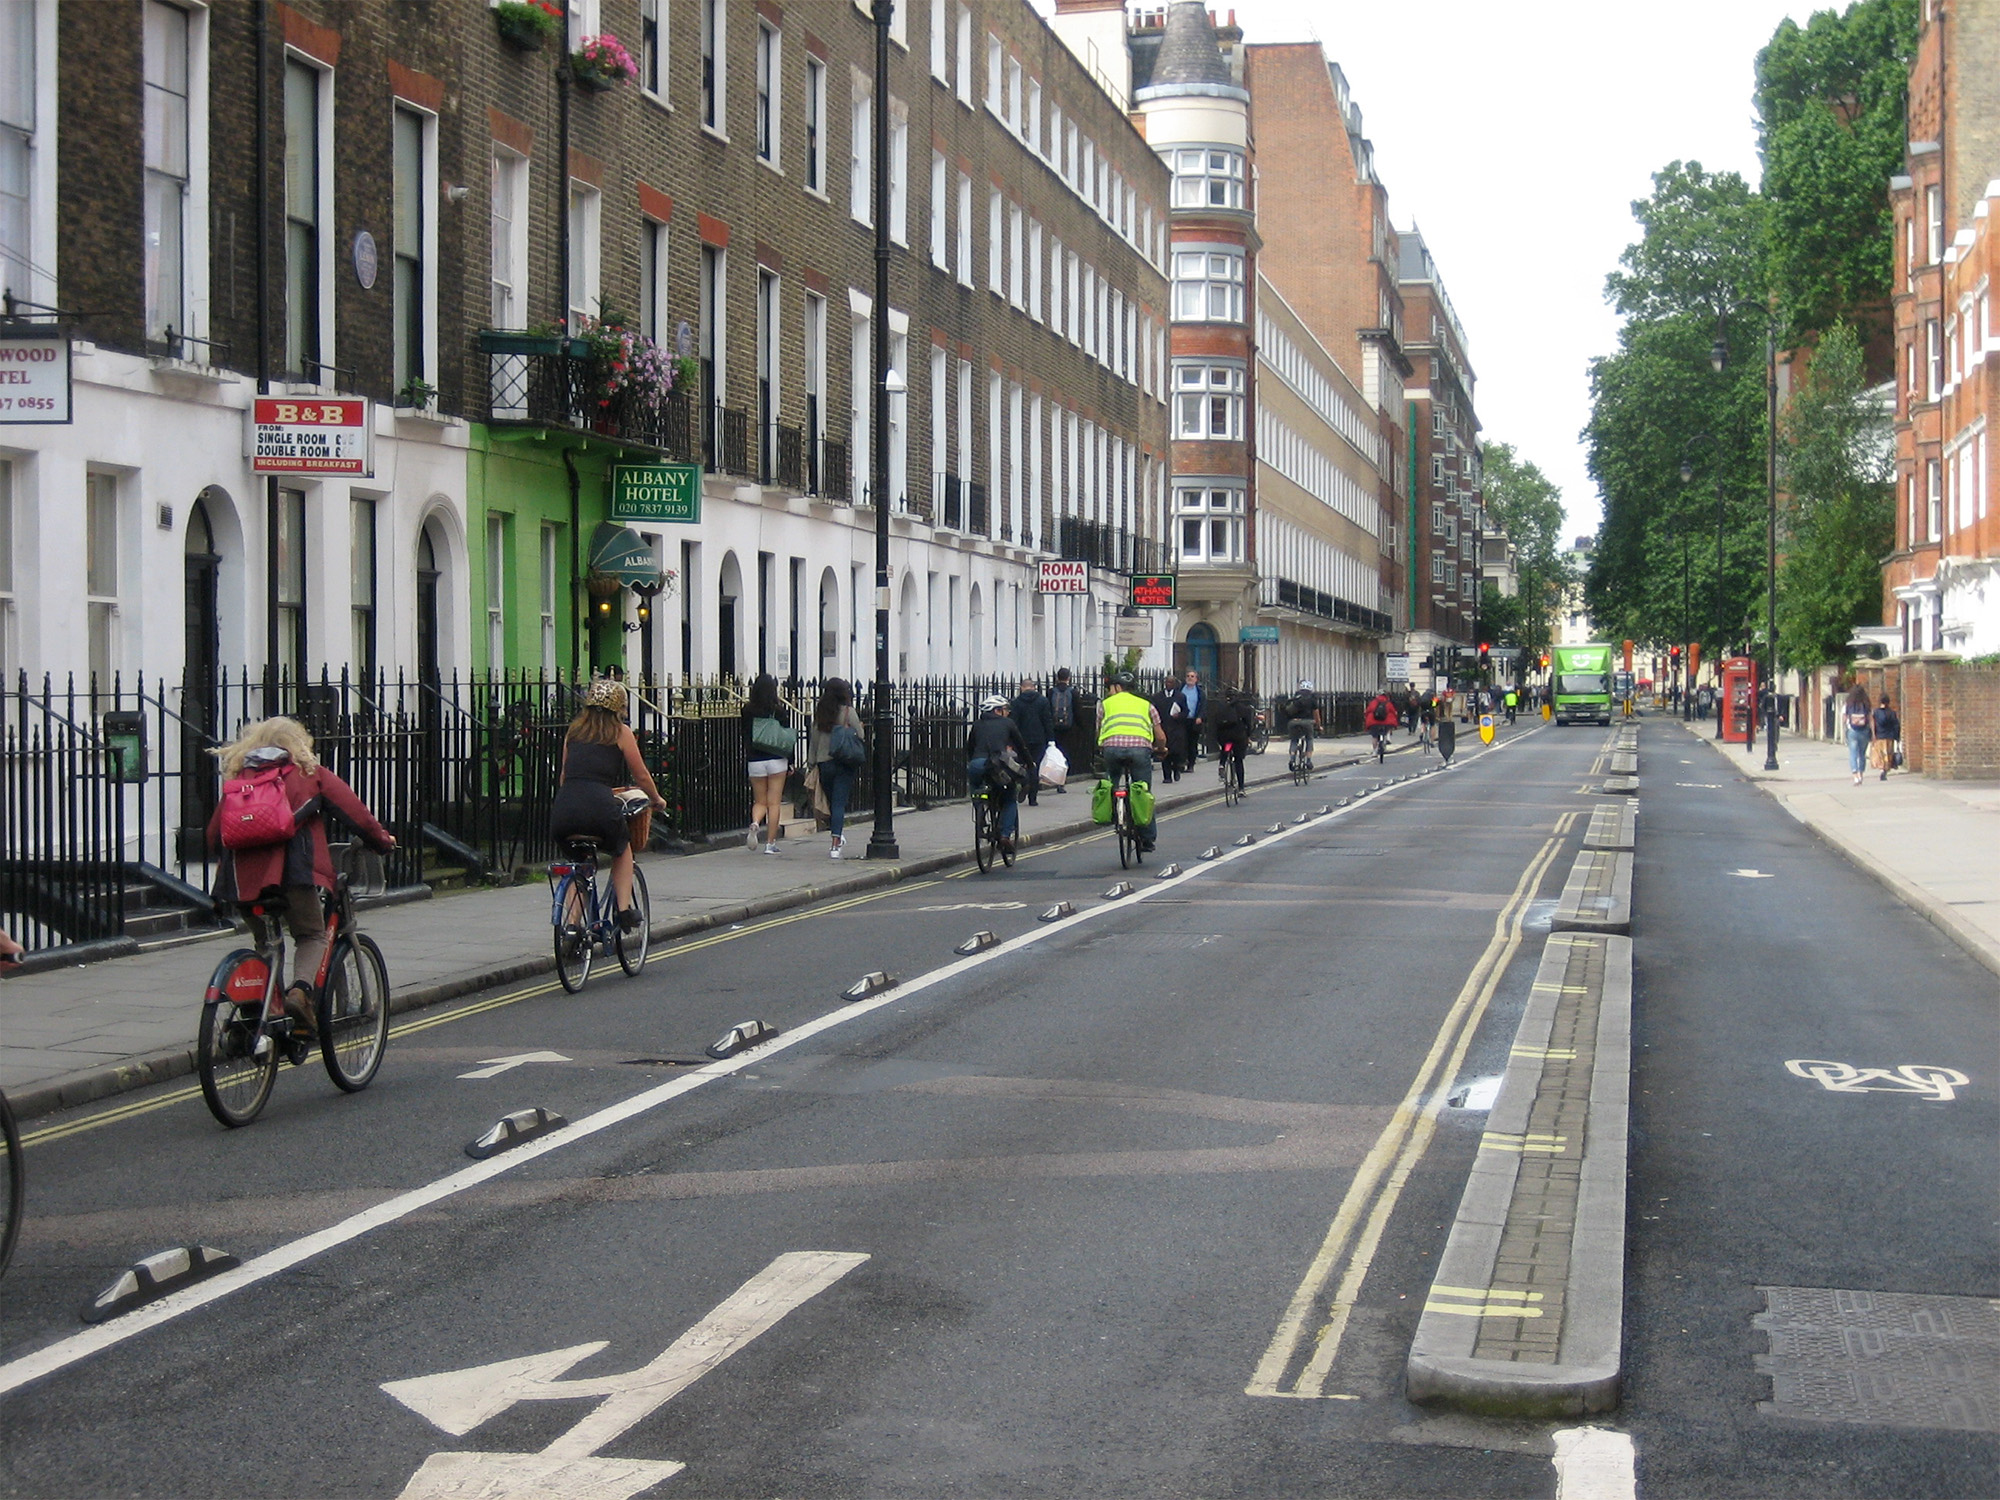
429	576
1204	652
201	672
728	594
829	625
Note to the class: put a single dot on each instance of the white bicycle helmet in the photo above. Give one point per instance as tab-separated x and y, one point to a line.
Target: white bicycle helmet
1305	684
991	702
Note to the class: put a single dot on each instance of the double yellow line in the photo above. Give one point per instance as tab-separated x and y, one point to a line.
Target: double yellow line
478	1008
1356	1233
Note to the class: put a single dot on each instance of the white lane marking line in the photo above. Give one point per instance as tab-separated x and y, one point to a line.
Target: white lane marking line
1595	1463
1753	875
65	1352
495	1066
459	1400
977	906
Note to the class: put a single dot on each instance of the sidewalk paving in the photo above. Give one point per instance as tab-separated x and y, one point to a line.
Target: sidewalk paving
1936	844
71	1035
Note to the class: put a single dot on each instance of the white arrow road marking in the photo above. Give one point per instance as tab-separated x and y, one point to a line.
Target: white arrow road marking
1753	874
495	1066
460	1400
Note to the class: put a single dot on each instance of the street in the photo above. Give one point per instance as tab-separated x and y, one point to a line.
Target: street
1037	1219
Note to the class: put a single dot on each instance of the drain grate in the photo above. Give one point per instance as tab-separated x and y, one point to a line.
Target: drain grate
1895	1358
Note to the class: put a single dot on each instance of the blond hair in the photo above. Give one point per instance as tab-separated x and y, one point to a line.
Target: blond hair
280	733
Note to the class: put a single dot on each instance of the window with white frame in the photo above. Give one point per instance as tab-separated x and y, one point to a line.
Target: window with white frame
962	423
1014	89
653	47
899	171
496	590
815	377
996	240
940	42
288	582
653	320
102	571
1073	298
1934	500
586	206
18	120
1055	285
361	601
414	195
899	411
1032	125
861	344
1035	269
715	65
1208	402
769	76
1209	524
940	215
1206	176
815	123
963	81
9	650
996	61
547	576
860	133
168	158
510	239
769	337
306	88
1208	285
1017	292
965	272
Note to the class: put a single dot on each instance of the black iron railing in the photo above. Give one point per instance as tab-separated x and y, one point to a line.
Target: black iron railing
733	455
951	502
1286	593
62	821
829	477
978	514
788	452
556	382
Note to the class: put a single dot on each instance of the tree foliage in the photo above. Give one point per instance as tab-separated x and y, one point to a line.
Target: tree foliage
1831	103
1529	508
1694	277
1839	470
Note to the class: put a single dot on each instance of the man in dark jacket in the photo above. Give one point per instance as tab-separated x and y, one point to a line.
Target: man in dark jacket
991	736
1065	713
1234	714
1036	721
1185	718
1164	703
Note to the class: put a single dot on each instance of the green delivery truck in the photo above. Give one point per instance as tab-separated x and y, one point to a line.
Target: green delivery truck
1580	683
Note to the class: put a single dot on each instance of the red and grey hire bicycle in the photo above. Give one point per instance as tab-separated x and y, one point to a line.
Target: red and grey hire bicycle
245	1032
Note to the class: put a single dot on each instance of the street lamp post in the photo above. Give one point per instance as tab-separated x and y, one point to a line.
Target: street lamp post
882	837
1771	543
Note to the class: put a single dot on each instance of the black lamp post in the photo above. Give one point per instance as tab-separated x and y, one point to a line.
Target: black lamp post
882	837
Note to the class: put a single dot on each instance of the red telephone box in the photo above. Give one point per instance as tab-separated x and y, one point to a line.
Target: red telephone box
1739	695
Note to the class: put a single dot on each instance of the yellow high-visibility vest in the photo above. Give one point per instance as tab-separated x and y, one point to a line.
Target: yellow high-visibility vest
1128	714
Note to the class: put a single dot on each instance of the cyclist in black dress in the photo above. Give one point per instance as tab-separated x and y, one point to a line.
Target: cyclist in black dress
600	754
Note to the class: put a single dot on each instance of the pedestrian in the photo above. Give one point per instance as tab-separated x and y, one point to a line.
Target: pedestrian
1191	715
1888	730
285	878
1063	716
1165	703
1859	720
1032	715
768	742
836	762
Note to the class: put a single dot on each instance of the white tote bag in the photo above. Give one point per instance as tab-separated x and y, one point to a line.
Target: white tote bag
1055	768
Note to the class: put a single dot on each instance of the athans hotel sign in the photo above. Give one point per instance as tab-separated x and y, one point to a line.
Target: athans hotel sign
34	374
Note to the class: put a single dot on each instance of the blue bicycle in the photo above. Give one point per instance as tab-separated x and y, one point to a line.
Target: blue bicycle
585	917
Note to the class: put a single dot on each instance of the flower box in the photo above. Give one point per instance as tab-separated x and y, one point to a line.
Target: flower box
527	25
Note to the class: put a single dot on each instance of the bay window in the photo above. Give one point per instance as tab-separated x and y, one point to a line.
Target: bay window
1208	286
1208	402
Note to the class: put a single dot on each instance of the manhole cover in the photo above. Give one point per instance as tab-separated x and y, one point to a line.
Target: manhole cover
1895	1358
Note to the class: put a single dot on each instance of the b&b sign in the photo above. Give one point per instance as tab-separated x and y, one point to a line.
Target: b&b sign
656	492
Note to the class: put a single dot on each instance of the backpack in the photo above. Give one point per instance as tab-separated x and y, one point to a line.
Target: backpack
255	812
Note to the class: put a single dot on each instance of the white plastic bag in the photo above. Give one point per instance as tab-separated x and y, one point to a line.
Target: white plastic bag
1055	768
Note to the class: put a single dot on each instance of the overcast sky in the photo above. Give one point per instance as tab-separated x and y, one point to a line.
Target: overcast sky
1517	133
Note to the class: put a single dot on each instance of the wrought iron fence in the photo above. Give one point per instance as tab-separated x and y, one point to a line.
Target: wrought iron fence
62	822
554	381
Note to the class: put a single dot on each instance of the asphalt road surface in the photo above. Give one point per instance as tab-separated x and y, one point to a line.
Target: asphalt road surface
1033	1222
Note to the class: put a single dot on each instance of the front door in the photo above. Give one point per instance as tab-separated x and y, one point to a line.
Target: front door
200	710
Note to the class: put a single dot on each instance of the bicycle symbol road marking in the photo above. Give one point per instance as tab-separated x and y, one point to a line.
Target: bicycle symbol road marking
1925	1079
977	906
459	1400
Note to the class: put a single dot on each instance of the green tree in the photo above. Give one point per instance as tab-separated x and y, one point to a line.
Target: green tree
1832	98
1838	467
1528	507
1692	282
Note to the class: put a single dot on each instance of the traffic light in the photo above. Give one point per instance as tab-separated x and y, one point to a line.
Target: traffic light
1485	655
1674	655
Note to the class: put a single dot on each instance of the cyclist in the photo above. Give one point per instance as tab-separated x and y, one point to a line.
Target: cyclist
1128	736
1306	722
289	876
1513	701
600	757
1380	719
1233	718
992	735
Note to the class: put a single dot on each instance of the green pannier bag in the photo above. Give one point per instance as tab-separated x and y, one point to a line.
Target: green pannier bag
1142	804
1100	801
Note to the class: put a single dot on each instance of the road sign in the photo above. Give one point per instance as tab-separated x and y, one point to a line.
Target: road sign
1398	663
1154	590
1063	577
304	435
1486	729
457	1401
1258	635
34	375
669	493
1134	630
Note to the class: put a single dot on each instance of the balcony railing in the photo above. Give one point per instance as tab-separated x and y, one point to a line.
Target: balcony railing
950	501
550	382
978	515
1106	546
788	447
1286	593
827	476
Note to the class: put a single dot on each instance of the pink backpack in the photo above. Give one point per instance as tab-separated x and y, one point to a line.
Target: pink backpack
255	811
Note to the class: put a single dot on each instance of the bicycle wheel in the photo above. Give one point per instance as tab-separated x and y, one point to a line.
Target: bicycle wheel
235	1080
632	945
1005	846
982	834
573	915
15	1185
354	1013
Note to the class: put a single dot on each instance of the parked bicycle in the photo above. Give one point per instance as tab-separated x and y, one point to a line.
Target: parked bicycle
245	1032
584	916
